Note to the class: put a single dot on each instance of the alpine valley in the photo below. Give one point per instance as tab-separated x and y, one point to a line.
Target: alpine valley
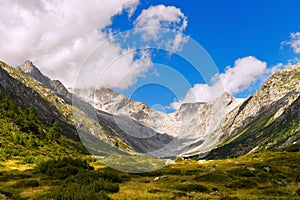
227	149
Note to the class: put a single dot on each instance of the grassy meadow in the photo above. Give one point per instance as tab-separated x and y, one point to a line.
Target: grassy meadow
268	175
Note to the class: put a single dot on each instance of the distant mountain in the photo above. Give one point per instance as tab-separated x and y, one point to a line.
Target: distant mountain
110	122
194	128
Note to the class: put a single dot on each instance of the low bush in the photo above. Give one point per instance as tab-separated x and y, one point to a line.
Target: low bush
298	192
28	160
243	183
191	188
106	186
241	172
76	191
154	191
9	194
27	183
63	168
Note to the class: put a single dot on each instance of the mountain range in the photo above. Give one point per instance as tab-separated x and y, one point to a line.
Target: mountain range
110	122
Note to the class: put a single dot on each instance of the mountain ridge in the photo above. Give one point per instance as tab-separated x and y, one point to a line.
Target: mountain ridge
228	124
56	86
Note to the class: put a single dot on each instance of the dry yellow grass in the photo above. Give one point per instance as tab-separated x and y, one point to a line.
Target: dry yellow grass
15	165
29	193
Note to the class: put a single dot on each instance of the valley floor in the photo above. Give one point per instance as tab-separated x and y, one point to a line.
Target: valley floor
267	175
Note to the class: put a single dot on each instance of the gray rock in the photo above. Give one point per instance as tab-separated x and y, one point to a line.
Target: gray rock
267	169
160	177
216	193
252	169
56	86
163	176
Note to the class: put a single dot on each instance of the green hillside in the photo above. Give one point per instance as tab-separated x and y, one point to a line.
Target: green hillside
37	162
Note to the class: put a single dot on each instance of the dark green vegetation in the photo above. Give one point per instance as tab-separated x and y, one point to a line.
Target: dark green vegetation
22	134
35	157
64	178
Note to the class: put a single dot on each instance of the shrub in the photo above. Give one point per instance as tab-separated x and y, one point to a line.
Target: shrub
191	188
27	183
105	186
179	194
10	194
111	176
154	191
277	192
63	168
28	160
298	192
64	172
241	173
88	177
11	152
243	183
76	191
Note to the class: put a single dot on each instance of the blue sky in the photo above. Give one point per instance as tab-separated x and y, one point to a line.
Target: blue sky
228	30
232	29
247	40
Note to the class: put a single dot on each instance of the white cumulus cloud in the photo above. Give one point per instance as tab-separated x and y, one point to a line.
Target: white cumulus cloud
294	42
238	78
113	67
57	35
159	19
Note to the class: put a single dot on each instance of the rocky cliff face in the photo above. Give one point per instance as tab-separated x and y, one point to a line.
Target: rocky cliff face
268	119
55	85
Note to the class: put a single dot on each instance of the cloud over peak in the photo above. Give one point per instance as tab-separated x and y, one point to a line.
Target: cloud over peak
295	42
235	79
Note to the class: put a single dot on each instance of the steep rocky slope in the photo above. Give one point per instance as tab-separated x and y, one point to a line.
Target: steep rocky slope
28	91
55	85
269	119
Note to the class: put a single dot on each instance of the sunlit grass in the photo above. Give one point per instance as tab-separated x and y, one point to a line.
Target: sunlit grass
230	177
15	164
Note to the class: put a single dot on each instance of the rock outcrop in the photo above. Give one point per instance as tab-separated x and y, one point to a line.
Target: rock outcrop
55	85
266	120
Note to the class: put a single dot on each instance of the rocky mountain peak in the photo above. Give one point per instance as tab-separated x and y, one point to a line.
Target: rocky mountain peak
29	68
56	86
